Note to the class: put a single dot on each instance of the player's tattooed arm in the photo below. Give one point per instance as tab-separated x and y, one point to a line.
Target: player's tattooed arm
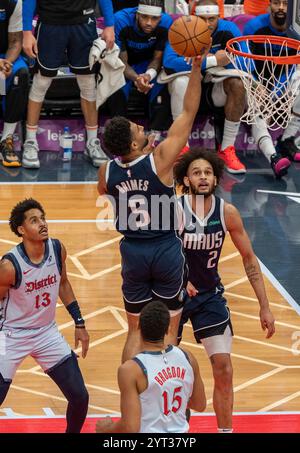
15	40
253	273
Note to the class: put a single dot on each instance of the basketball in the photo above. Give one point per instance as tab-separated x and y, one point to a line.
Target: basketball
189	36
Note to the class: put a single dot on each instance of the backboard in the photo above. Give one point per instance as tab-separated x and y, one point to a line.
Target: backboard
294	19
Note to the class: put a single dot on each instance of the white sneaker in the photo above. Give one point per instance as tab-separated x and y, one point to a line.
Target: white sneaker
30	158
94	152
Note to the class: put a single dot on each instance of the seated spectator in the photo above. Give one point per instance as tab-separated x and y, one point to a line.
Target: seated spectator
273	23
64	28
14	80
141	34
228	93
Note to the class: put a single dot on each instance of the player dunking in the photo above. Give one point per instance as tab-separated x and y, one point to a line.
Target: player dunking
32	276
158	384
206	219
153	263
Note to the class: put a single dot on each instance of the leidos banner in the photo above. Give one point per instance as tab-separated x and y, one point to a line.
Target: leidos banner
203	134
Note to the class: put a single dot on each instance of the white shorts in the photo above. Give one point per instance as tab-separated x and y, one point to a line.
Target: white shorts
46	345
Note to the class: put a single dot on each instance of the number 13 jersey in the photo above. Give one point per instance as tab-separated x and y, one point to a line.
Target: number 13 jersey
31	302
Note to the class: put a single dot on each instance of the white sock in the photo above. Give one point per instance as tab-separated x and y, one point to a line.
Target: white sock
8	129
225	430
91	132
31	132
231	129
293	128
266	146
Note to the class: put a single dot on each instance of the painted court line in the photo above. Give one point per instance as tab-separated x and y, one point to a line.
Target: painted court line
252	299
280	402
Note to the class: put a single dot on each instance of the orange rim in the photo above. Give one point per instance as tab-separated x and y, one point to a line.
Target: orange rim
261	39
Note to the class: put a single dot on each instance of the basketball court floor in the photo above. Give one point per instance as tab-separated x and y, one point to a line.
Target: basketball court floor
266	372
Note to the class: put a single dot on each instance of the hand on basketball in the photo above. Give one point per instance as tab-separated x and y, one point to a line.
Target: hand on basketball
142	83
197	61
267	321
81	335
191	290
103	425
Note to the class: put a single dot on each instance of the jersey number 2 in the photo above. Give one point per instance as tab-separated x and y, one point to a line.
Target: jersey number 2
44	302
176	402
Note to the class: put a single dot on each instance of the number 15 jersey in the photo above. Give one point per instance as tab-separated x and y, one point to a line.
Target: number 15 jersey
170	385
31	302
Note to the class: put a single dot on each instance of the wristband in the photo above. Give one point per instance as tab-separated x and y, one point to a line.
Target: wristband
211	61
152	73
74	310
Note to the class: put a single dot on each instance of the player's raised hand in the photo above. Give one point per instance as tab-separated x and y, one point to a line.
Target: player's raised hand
81	335
267	321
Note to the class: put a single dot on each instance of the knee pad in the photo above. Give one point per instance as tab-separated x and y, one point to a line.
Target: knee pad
4	387
87	86
17	97
39	87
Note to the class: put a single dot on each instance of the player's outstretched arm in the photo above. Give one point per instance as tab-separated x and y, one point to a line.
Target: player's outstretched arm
242	242
67	297
198	399
167	151
7	277
130	403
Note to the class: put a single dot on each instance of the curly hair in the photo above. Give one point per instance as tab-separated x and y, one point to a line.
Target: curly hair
154	321
182	165
17	215
117	137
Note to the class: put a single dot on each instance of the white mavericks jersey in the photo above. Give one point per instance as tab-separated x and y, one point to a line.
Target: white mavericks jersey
31	303
170	385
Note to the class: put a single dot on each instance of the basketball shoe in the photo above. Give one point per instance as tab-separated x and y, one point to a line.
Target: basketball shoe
288	148
279	165
232	162
7	154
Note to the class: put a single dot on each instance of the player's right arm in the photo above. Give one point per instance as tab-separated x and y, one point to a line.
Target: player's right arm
128	375
167	151
7	277
198	399
29	41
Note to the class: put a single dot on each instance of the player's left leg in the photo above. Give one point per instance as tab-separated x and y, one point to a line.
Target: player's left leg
68	377
222	372
56	358
231	94
80	43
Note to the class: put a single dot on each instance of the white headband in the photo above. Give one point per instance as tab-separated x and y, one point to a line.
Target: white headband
149	10
207	10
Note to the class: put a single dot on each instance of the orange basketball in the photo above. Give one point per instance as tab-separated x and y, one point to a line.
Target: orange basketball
189	36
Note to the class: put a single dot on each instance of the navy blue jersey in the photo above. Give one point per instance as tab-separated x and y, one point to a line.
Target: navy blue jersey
144	206
225	30
202	242
140	46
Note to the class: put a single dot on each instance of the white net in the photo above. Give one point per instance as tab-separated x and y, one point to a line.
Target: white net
271	85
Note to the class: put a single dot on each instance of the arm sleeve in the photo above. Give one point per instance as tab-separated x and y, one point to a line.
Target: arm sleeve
29	8
107	11
120	29
15	20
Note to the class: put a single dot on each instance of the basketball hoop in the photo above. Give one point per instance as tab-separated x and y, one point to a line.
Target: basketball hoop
271	79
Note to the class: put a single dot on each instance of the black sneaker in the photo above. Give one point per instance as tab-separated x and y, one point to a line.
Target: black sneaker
7	154
287	148
279	165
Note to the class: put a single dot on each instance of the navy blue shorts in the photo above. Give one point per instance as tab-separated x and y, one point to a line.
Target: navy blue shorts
152	269
208	314
58	43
